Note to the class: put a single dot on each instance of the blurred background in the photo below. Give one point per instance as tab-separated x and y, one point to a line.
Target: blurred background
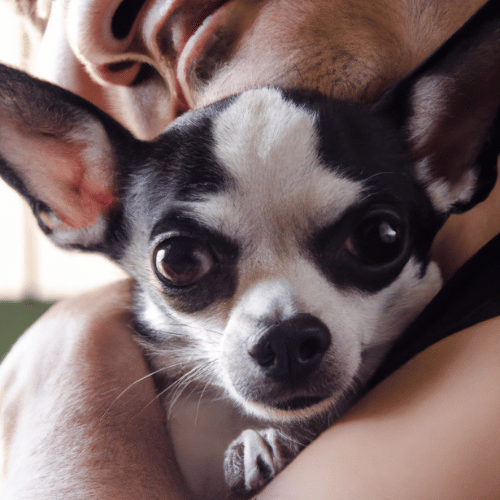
33	272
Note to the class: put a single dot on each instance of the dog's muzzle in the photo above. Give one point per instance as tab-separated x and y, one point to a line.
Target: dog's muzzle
288	356
292	350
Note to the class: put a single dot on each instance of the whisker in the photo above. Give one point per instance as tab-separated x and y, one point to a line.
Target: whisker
130	386
178	324
201	371
199	401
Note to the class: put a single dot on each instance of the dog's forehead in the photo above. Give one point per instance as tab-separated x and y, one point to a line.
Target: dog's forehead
273	162
270	148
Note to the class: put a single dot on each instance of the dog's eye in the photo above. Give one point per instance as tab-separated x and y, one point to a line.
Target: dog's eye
377	240
182	261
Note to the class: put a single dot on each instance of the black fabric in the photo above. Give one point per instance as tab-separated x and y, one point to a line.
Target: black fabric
472	295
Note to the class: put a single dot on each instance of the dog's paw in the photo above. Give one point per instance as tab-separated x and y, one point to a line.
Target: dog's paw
255	457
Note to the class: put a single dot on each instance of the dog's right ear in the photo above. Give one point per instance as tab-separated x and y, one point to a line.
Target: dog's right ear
61	154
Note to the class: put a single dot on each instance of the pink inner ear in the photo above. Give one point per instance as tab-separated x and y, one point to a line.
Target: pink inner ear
74	178
85	204
82	190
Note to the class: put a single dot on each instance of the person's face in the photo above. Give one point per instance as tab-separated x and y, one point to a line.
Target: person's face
167	56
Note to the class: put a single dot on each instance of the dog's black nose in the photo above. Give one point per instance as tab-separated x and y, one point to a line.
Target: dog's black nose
292	350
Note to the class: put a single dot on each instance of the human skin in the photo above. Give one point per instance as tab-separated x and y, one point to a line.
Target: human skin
400	441
79	415
351	50
429	431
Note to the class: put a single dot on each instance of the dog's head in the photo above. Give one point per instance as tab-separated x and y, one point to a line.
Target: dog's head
279	240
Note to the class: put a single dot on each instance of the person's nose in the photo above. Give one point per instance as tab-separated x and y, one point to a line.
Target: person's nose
116	39
124	46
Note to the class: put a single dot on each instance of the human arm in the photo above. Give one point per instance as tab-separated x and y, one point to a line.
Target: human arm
115	370
429	431
79	416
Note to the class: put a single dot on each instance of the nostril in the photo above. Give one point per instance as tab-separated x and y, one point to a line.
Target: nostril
118	67
124	17
121	73
309	349
263	353
293	349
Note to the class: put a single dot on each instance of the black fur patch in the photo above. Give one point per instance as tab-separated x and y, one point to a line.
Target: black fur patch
220	283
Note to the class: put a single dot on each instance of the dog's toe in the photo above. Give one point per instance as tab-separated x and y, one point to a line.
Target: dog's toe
254	458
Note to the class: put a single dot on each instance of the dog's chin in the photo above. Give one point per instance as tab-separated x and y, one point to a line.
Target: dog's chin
299	403
289	411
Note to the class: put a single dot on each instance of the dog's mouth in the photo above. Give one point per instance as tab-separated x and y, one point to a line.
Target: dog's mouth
299	403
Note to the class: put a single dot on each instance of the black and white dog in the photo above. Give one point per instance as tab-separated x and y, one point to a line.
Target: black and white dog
279	240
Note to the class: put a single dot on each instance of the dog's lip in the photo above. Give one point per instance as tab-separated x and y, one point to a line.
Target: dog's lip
192	43
298	403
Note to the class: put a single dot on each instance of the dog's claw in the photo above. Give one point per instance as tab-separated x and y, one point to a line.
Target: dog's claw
255	457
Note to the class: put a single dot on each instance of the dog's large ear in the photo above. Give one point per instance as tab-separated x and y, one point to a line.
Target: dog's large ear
61	154
448	108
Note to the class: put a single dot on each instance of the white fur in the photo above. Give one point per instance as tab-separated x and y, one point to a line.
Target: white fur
65	182
201	430
443	194
281	194
270	146
357	321
430	103
63	235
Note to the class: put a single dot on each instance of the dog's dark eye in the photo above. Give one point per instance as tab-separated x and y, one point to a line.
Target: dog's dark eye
182	261
377	240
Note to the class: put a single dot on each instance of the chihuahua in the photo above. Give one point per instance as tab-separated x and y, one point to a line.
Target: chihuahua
279	240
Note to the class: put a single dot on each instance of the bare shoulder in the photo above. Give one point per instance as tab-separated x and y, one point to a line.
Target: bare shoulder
78	408
428	431
457	363
72	327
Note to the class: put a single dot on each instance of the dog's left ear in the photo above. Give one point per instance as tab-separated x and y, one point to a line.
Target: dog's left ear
448	109
62	154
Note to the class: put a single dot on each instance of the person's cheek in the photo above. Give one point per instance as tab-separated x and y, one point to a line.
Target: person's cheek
57	63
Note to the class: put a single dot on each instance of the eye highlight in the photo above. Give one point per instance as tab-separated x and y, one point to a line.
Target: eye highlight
378	239
367	248
181	261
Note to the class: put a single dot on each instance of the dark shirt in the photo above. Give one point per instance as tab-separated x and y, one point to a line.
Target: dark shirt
472	295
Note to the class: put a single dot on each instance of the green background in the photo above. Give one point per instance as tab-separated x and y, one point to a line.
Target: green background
15	318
